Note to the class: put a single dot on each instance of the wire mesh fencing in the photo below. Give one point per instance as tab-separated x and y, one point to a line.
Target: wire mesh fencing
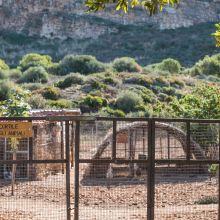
112	168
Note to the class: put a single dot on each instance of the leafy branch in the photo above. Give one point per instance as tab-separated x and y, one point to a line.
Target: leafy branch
150	5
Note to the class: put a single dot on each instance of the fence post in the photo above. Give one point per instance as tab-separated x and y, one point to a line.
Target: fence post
114	136
76	195
67	170
151	170
188	141
219	171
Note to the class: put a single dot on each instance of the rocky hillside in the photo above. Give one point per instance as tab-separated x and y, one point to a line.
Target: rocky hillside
58	27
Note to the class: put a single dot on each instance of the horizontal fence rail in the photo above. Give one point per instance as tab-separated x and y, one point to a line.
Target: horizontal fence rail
84	167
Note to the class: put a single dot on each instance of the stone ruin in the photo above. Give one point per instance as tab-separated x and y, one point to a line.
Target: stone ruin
48	144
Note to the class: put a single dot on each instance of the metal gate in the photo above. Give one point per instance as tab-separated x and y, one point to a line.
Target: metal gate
114	168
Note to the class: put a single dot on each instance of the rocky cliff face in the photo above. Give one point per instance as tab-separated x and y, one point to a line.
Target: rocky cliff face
60	27
67	18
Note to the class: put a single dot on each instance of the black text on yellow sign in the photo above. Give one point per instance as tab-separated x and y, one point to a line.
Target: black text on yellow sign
15	129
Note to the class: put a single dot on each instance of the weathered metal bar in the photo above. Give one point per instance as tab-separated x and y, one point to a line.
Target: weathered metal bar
188	142
114	136
72	144
151	170
67	145
120	119
158	161
70	118
219	172
62	146
77	146
30	162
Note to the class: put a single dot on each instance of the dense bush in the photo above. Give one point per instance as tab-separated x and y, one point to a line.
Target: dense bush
3	65
72	78
161	82
32	86
51	93
34	59
170	65
59	104
94	102
139	80
83	64
126	64
5	90
34	75
127	101
208	66
14	74
114	112
3	74
37	101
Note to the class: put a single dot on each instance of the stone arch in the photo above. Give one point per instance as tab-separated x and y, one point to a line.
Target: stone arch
196	150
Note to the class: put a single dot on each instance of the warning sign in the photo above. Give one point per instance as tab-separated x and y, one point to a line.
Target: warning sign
15	129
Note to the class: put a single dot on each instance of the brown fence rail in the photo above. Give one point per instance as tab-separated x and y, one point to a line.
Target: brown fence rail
86	168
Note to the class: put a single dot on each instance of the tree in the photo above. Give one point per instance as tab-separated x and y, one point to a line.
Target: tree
152	5
15	106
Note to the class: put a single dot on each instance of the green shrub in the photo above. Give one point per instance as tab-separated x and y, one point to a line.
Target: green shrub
169	91
61	103
5	90
3	74
32	86
51	93
177	83
98	85
170	65
83	64
114	112
94	102
126	64
3	65
139	80
33	75
207	200
161	82
34	59
208	66
72	78
112	81
127	101
37	101
14	74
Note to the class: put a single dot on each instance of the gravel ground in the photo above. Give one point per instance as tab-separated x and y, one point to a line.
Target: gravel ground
46	200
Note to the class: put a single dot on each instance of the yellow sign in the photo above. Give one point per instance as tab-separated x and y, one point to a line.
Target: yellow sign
15	129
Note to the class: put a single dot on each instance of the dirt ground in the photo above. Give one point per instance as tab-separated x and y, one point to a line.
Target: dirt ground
45	200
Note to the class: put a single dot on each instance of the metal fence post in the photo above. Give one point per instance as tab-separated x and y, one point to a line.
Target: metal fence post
218	171
188	141
67	170
151	170
76	195
114	136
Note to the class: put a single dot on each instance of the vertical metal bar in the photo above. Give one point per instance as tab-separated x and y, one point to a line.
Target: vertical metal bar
151	170
62	146
30	147
67	170
188	151
77	146
114	136
72	144
168	148
30	156
219	171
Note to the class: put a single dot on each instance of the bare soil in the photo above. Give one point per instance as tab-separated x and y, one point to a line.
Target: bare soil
45	199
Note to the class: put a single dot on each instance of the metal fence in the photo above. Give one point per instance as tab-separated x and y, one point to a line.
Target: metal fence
86	168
